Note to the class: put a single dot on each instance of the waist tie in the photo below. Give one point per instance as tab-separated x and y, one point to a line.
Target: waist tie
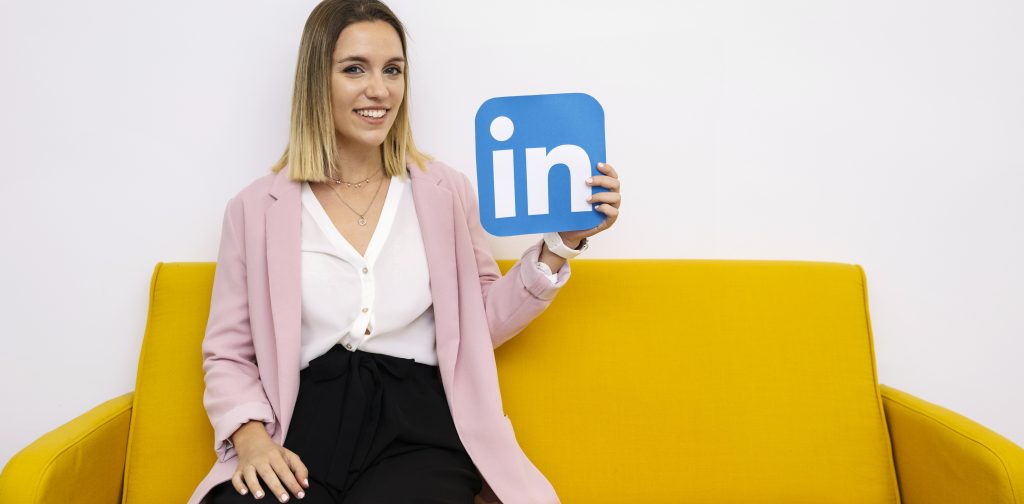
351	387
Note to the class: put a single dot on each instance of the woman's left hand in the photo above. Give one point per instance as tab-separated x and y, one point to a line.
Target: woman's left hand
608	204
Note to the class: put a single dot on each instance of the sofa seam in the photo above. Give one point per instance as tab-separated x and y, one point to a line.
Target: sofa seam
135	397
874	379
925	414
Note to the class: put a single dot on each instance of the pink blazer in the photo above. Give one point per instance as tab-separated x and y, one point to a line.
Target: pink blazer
255	317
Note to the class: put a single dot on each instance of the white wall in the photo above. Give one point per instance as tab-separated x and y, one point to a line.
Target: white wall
887	134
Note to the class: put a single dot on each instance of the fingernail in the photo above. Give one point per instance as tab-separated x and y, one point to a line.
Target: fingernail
244	491
600	164
590	179
284	497
259	494
306	481
302	495
589	198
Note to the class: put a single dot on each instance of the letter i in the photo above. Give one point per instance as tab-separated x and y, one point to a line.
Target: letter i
503	163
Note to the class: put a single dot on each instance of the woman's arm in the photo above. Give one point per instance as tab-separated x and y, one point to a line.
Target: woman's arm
511	301
234	394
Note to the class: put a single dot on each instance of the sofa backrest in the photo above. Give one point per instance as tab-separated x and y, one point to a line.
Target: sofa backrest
644	381
702	381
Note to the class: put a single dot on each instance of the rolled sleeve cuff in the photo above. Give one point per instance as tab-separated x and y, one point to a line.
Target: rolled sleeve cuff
537	283
546	270
238	416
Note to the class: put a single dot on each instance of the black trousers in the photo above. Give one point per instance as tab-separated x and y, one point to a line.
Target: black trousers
372	428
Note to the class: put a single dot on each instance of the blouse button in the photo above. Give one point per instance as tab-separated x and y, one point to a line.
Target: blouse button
365	309
366	270
348	346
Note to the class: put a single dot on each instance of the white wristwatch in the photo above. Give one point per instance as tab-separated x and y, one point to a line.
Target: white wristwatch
554	242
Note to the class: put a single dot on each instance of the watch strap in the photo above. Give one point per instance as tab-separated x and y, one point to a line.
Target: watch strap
555	244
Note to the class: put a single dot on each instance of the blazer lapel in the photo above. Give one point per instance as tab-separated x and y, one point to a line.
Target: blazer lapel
284	276
435	213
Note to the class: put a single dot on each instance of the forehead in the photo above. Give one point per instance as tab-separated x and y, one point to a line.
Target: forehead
372	39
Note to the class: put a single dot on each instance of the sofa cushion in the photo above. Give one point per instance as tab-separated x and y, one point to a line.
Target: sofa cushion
702	381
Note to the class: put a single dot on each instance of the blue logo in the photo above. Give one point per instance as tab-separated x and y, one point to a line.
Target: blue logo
533	156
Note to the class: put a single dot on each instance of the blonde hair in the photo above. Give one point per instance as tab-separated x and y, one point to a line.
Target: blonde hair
311	151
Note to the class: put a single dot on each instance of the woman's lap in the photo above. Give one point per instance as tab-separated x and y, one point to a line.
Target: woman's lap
399	443
428	475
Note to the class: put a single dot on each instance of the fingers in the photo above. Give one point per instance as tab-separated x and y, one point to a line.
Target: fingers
610	211
606	202
249	474
284	473
268	472
297	467
279	468
604	181
612	198
607	169
609	180
236	481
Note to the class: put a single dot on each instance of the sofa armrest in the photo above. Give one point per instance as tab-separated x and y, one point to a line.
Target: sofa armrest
80	461
943	457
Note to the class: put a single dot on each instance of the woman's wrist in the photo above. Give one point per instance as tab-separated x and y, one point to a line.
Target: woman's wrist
553	260
246	430
571	244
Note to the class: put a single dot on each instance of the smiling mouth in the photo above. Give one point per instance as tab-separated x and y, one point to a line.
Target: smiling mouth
372	114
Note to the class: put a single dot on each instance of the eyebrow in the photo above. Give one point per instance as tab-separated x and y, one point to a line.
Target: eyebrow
364	60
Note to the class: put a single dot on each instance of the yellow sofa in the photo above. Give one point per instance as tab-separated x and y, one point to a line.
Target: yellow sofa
646	381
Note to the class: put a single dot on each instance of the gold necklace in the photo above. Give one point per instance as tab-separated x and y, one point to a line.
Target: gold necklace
362	216
353	185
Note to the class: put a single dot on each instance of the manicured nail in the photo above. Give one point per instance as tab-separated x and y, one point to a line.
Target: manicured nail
590	179
284	497
301	495
245	491
589	198
259	494
306	481
600	164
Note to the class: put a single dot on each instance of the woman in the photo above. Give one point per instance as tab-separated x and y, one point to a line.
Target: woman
349	283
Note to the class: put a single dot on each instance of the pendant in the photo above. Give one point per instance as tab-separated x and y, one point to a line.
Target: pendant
361	221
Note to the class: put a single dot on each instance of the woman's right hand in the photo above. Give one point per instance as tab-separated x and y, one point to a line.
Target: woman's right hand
259	454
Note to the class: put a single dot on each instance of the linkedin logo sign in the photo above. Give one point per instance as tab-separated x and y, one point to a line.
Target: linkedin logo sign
533	156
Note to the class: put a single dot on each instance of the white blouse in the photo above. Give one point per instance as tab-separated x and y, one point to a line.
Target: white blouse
341	289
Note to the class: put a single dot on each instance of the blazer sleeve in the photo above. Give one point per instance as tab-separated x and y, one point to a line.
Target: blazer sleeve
234	392
511	301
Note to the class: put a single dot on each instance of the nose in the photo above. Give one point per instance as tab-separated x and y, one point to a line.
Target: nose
375	87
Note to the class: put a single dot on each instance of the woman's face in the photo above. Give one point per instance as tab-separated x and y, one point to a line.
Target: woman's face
366	76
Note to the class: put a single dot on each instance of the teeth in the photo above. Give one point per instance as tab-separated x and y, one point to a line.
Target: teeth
372	113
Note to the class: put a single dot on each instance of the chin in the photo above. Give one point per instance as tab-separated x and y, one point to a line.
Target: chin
369	141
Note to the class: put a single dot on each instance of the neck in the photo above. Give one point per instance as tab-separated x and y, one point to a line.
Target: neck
356	164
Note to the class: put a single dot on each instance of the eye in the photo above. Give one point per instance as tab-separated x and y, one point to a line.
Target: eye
397	70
